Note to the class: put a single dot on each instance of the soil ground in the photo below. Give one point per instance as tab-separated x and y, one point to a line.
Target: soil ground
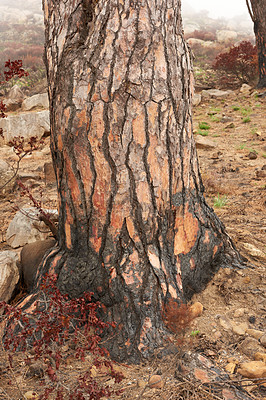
234	171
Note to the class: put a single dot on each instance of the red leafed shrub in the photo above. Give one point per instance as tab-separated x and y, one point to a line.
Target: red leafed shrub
239	63
59	321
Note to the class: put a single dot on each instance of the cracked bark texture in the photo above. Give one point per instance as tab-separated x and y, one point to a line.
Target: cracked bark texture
257	11
134	227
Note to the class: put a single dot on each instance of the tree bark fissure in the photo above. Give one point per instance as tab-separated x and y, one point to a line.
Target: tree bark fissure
134	227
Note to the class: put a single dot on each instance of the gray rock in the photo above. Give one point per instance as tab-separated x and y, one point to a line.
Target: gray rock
26	228
250	346
196	99
27	125
14	98
204	143
216	93
36	101
9	274
245	89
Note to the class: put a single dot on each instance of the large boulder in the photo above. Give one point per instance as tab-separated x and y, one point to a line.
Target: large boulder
25	228
14	98
9	274
30	257
27	125
36	101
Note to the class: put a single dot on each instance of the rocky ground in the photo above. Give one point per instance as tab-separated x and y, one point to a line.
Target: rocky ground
230	136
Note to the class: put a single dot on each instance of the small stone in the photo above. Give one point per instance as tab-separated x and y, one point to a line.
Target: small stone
260	357
253	369
230	126
31	395
250	346
239	313
239	329
255	333
262	340
225	323
230	368
232	360
196	309
35	371
260	174
252	319
246	280
252	155
156	382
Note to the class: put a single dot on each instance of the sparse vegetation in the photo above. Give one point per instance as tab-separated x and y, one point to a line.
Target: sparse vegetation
220	201
246	120
204	126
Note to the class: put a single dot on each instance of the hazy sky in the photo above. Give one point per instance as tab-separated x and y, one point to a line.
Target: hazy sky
220	8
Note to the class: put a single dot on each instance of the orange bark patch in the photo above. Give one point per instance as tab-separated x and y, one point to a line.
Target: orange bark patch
192	263
138	126
207	237
187	231
145	328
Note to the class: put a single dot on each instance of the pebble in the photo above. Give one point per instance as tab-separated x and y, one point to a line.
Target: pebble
156	382
239	313
239	329
260	357
230	367
252	155
31	395
196	309
262	340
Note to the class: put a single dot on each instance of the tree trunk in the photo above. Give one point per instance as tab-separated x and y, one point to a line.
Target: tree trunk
134	227
257	12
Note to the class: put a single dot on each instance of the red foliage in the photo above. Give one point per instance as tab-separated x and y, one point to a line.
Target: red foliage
240	61
57	321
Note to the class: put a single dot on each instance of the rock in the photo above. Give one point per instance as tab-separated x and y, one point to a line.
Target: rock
156	382
225	35
252	155
245	89
31	395
252	319
261	174
250	347
9	274
14	98
49	174
225	119
216	93
225	323
262	340
239	313
253	369
204	143
196	309
7	178
253	251
239	329
196	100
26	228
30	257
230	126
255	333
230	367
36	101
35	370
27	125
260	357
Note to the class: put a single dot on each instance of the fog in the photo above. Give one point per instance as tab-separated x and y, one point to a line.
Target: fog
217	8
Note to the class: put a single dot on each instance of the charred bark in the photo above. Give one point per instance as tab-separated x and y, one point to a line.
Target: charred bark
134	227
257	11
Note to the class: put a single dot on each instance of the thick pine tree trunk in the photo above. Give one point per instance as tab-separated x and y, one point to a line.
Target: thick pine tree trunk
257	12
134	227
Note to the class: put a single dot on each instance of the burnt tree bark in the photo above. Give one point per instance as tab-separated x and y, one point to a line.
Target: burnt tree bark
257	11
134	227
